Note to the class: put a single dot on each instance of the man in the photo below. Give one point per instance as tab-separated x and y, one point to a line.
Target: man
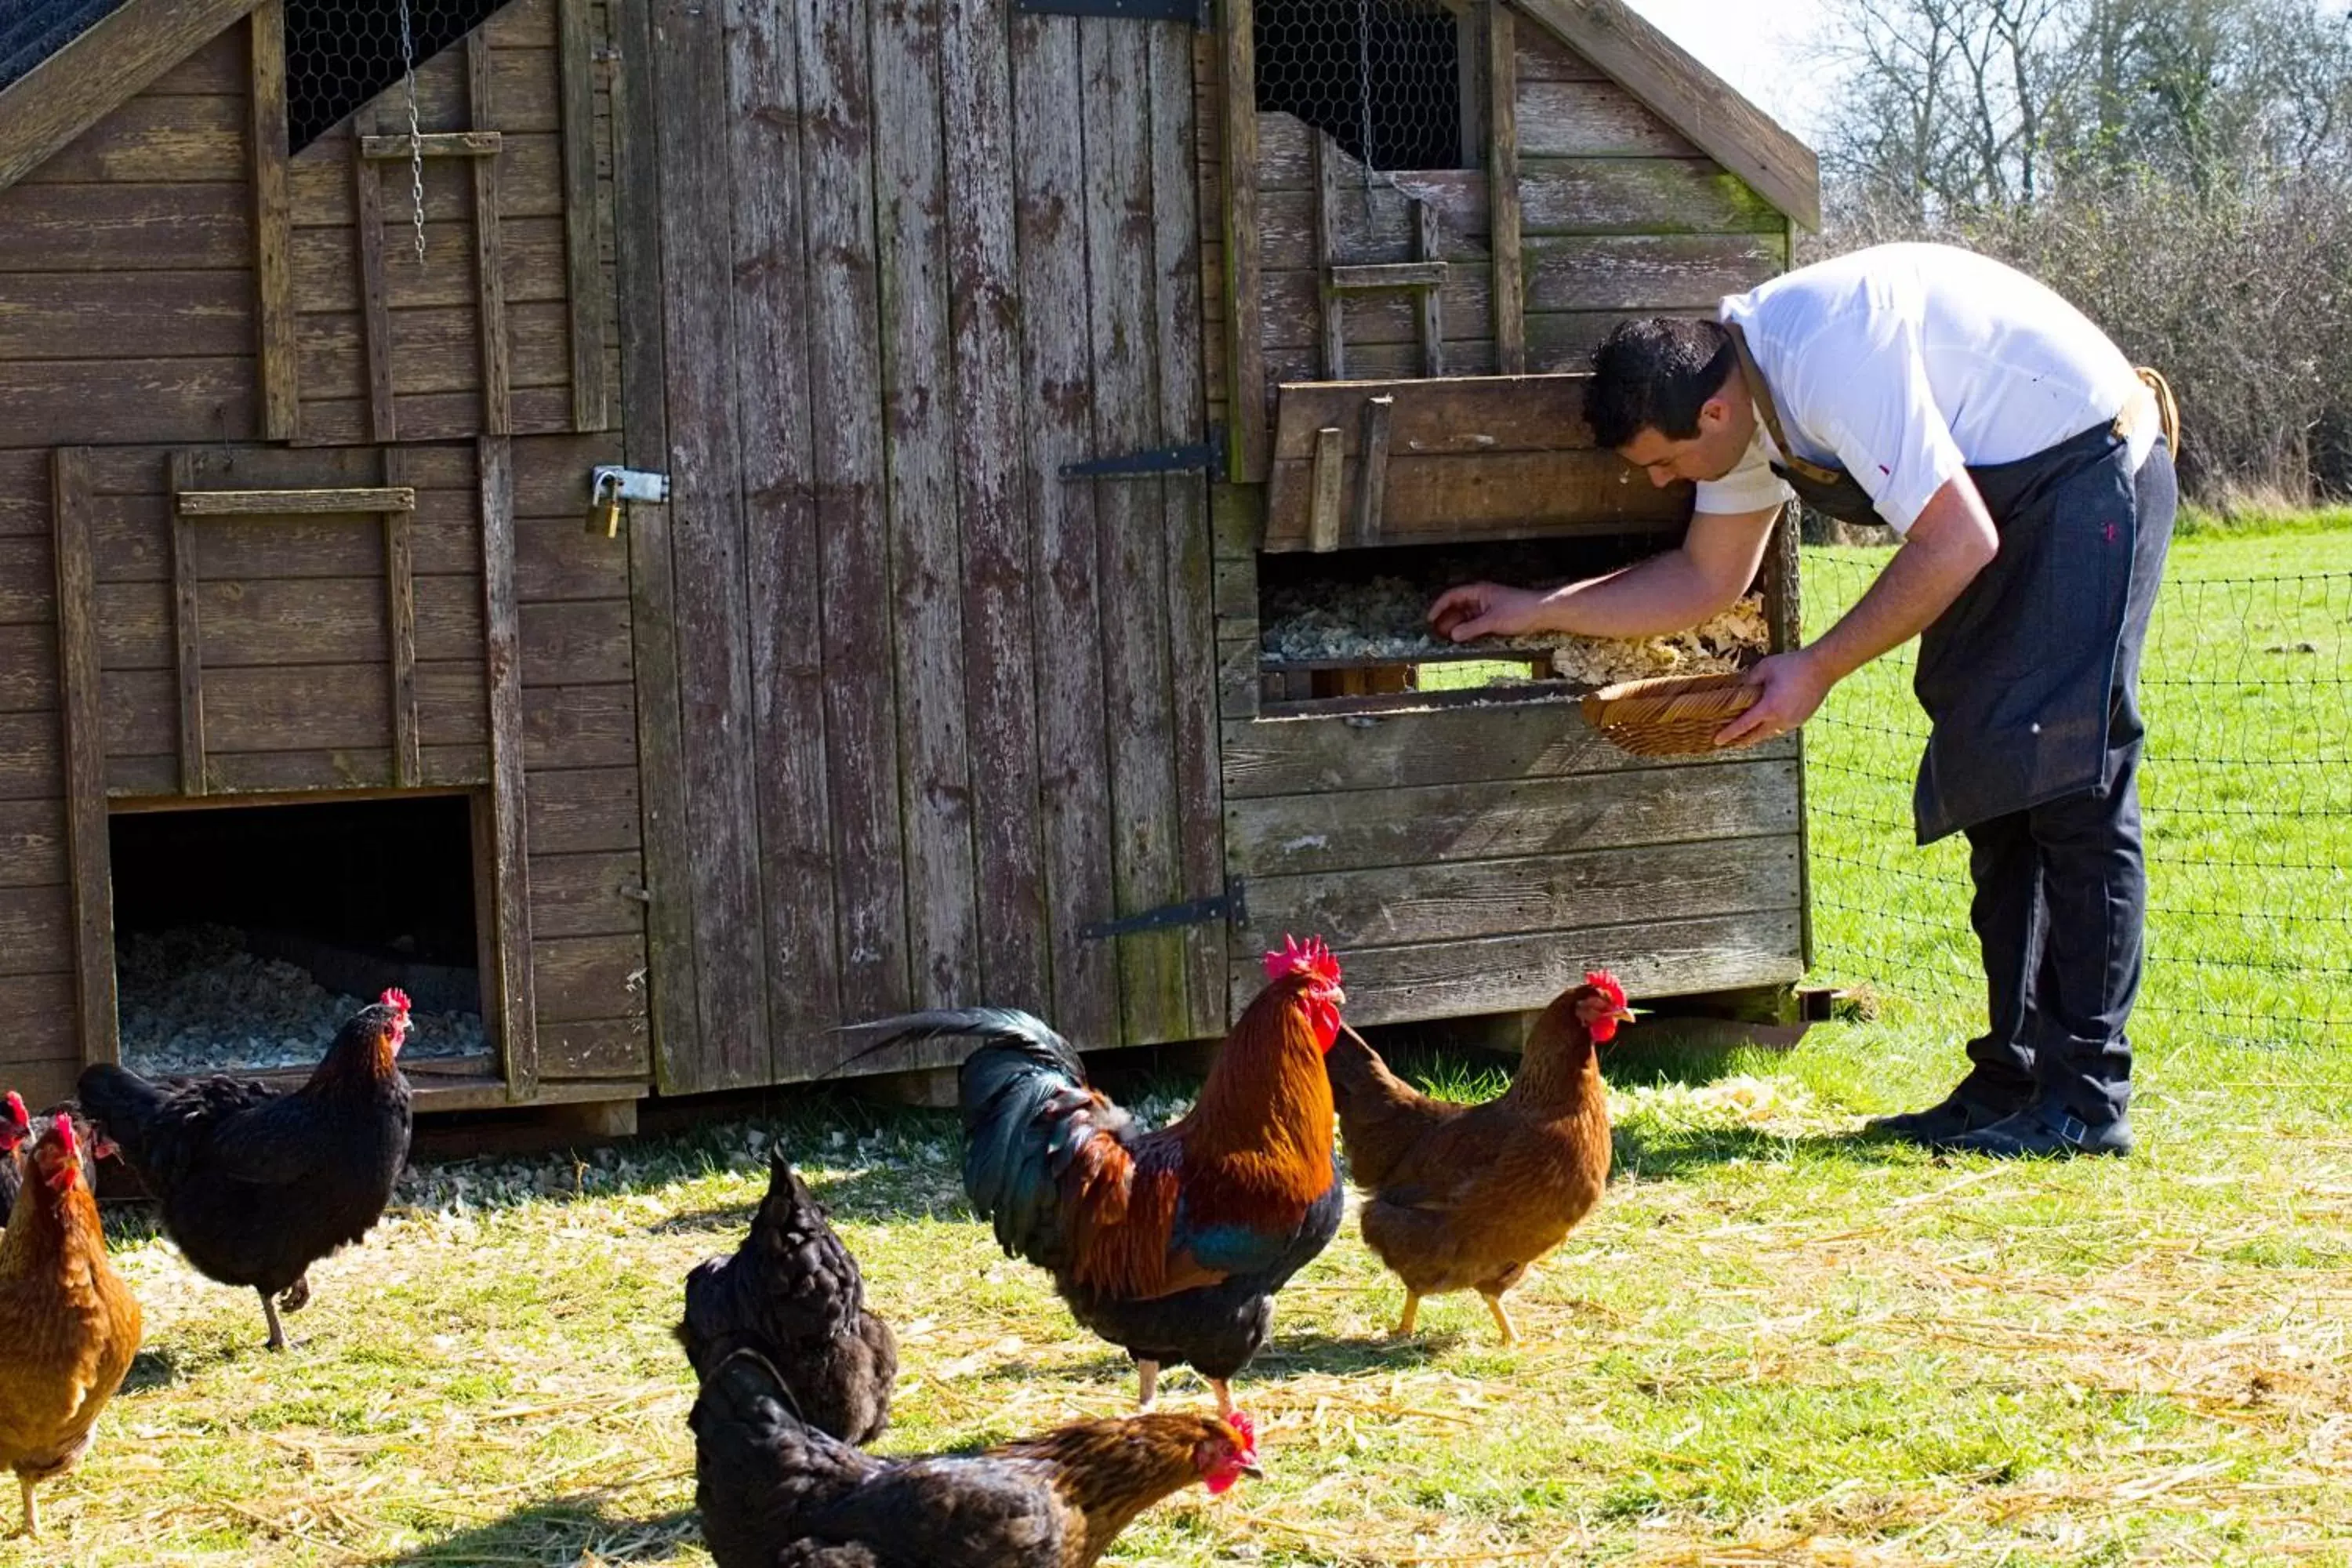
2019	458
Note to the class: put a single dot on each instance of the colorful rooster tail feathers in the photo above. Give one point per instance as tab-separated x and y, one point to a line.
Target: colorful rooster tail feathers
1600	979
1310	956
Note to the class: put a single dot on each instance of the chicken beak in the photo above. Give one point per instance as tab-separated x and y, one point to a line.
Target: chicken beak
1251	1468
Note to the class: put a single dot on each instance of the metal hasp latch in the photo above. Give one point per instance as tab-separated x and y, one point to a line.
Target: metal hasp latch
1193	11
1209	455
1230	906
609	485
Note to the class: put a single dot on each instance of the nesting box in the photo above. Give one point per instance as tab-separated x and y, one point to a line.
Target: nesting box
978	377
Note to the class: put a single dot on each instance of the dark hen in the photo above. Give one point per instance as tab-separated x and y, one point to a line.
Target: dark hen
792	1292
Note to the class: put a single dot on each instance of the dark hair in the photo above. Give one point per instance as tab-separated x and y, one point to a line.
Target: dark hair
1656	373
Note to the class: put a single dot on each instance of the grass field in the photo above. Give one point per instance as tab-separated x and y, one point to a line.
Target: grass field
1772	1344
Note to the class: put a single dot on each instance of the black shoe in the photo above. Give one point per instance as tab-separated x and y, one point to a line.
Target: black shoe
2046	1132
1938	1124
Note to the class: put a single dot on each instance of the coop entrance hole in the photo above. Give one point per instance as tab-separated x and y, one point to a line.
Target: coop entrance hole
245	935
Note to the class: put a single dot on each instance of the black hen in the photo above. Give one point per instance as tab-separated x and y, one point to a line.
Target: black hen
255	1183
792	1293
775	1493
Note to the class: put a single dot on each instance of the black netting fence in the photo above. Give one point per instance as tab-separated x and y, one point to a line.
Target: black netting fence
2246	791
1384	78
342	53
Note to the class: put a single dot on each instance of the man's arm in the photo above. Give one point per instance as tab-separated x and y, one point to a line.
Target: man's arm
1951	540
1711	568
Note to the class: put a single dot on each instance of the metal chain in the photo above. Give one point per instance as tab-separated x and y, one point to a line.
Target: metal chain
415	137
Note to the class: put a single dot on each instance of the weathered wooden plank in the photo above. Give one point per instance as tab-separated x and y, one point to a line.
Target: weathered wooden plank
578	726
1246	385
1457	901
1374	276
142	227
37	931
192	503
1454	979
508	846
1502	495
1593	119
1192	630
78	315
532	265
34	851
437	143
1429	308
1503	167
81	84
53	402
497	414
196	139
569	643
999	687
1661	274
595	1048
841	135
525	85
1367	516
659	793
84	773
1323	484
1542	57
273	222
32	762
28	580
584	286
584	978
135	777
556	562
288	623
399	631
1564	340
925	523
187	626
131	537
583	811
214	70
439	416
587	894
1137	678
775	386
28	669
1461	416
374	294
42	1033
1073	762
532	172
1330	309
1427	826
257	708
522	25
1377	318
1546	740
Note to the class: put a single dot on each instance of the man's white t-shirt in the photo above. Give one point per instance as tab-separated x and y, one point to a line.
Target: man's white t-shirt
1905	363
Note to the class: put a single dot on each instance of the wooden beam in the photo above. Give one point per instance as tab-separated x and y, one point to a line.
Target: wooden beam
1323	507
375	297
91	77
584	272
498	416
1372	483
86	819
1431	317
1244	284
1693	100
187	632
1328	307
400	597
1511	289
513	1002
1369	277
437	143
273	225
292	503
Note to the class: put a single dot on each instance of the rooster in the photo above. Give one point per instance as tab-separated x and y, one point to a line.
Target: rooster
1171	1245
777	1493
68	1325
792	1292
1466	1198
256	1185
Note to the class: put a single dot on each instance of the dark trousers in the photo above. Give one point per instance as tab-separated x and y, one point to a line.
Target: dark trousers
2061	905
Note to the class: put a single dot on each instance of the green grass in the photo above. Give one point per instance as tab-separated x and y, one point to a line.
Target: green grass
1772	1343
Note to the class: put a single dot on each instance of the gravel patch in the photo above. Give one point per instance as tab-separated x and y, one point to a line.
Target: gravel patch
194	1000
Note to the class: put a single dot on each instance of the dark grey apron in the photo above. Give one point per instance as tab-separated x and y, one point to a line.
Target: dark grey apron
2019	674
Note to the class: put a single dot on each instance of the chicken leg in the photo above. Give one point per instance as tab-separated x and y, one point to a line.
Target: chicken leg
1502	1319
1411	1315
276	1340
1146	1382
31	1528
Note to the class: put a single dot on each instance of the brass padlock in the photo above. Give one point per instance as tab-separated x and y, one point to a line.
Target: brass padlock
604	505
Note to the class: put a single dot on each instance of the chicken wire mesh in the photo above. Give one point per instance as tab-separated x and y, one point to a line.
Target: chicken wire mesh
342	53
1384	78
2246	797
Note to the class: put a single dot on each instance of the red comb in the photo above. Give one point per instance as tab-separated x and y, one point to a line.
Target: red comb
66	1138
1241	1423
393	996
24	1123
1600	979
1312	957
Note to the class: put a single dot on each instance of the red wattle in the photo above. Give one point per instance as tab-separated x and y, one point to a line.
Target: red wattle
1324	1019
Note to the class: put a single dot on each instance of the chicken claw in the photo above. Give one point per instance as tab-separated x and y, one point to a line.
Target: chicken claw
1411	1315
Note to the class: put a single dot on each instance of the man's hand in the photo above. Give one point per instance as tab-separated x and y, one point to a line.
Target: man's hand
1485	609
1793	685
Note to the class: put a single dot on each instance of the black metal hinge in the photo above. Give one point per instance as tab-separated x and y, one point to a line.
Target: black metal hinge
1209	455
1193	11
1229	905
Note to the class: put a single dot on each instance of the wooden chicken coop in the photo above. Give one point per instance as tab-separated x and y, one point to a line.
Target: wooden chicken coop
679	528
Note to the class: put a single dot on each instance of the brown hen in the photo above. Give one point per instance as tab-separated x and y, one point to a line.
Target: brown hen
1466	1198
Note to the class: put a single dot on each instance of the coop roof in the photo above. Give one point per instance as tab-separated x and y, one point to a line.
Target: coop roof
65	64
1692	99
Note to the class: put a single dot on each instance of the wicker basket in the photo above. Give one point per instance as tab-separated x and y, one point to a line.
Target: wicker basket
1673	715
